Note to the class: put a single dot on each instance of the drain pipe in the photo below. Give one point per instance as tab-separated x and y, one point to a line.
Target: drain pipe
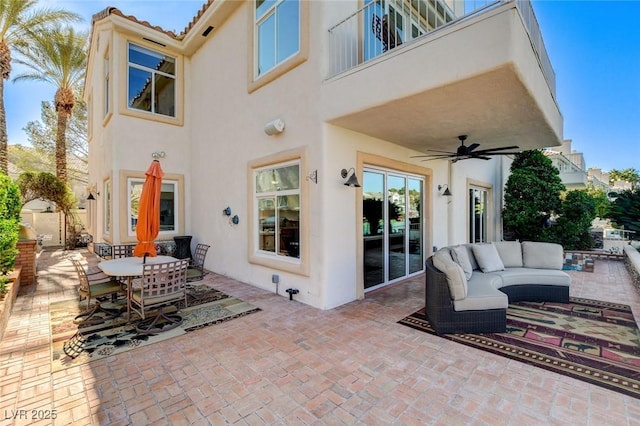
291	292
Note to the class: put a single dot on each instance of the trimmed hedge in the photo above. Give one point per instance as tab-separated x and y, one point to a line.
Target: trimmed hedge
10	205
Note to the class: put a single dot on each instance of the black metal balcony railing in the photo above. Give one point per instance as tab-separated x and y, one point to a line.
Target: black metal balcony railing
381	26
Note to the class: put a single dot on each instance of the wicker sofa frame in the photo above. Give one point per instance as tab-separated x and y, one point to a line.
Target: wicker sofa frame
446	320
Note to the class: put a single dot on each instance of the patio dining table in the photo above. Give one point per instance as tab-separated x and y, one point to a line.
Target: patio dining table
130	267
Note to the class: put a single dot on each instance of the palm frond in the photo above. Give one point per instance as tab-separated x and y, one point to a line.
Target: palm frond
57	55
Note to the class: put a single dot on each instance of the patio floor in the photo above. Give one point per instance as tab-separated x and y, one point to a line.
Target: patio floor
293	364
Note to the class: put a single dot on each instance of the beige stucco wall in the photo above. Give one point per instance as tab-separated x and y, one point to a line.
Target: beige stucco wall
220	134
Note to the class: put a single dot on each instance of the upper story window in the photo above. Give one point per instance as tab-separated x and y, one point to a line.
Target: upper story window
151	81
277	33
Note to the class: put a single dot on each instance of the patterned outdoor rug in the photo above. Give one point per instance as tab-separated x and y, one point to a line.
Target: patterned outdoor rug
590	340
103	336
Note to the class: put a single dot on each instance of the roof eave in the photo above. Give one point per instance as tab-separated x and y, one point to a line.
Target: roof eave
213	14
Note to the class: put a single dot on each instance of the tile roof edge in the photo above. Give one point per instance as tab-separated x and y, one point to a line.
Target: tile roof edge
115	11
196	18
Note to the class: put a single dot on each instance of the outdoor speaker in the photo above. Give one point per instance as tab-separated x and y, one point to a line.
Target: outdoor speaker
274	127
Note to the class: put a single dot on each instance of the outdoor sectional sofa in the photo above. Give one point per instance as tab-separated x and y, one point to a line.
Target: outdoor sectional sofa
468	287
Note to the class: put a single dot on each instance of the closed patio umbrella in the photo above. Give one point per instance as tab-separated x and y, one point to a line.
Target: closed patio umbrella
148	225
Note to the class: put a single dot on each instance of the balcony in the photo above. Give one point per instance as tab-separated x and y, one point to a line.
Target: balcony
418	73
574	179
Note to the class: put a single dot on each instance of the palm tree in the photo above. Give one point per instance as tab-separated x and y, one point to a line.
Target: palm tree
57	56
19	19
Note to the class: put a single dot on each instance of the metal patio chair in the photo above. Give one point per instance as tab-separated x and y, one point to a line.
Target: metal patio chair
196	272
161	284
119	251
93	285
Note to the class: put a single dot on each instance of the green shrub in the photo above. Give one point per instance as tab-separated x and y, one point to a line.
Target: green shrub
531	197
3	285
10	205
572	229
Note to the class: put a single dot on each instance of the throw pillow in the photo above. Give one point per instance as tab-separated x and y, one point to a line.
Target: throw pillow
542	255
487	257
461	257
472	258
510	253
454	274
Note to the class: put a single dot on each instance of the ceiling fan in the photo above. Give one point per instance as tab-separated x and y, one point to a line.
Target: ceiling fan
464	152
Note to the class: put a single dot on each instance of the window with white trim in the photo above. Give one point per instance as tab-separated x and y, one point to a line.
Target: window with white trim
277	200
151	81
277	33
107	207
169	207
106	84
478	214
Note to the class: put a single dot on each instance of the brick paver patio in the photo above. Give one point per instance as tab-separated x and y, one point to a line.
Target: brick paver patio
293	364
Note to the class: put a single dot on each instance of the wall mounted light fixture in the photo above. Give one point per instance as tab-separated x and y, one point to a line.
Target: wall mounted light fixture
158	154
352	180
313	176
445	190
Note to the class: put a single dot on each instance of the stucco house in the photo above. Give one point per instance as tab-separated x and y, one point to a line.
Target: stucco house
259	106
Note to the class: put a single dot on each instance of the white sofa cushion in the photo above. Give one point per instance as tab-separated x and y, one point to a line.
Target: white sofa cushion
456	279
479	278
539	255
523	276
482	296
487	257
460	255
510	253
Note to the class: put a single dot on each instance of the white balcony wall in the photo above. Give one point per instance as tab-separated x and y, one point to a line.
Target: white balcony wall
478	76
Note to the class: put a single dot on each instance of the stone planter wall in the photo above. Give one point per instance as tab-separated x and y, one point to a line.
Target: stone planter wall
632	261
26	259
7	301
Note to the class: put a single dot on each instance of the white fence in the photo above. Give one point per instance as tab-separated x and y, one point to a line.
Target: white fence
49	226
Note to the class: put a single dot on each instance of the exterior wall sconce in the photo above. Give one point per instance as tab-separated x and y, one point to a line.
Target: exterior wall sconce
227	212
446	191
91	197
158	154
352	180
313	176
274	127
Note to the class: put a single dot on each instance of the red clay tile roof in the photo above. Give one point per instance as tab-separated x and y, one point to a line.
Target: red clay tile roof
195	18
115	11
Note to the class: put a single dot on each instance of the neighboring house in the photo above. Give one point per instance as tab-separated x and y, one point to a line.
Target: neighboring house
573	170
599	179
258	106
570	164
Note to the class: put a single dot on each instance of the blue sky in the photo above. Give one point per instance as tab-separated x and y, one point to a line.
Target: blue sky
594	48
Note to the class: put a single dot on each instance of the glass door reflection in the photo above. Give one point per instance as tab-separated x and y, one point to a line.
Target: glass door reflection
396	228
392	230
373	228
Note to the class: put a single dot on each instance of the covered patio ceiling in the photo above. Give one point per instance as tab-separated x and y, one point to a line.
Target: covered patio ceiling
494	108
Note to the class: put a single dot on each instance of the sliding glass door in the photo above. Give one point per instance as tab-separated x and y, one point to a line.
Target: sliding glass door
392	231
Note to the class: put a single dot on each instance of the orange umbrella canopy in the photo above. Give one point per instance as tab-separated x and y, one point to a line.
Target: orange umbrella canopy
148	225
